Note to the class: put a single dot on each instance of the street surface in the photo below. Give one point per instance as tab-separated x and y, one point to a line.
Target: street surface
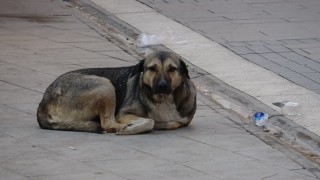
40	40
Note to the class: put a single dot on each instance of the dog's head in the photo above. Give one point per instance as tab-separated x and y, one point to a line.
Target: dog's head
163	72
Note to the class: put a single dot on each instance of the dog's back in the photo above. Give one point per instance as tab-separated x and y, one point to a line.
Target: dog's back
118	76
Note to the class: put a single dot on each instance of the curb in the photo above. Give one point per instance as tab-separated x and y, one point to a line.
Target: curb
280	128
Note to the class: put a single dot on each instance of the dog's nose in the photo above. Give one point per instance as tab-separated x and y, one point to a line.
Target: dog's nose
162	86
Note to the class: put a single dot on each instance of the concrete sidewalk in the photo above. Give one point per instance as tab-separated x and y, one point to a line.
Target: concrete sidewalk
257	77
41	39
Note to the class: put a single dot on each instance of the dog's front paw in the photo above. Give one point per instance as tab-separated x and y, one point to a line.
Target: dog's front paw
138	126
167	125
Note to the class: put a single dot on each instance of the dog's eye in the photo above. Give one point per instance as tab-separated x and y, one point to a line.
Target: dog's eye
172	69
152	68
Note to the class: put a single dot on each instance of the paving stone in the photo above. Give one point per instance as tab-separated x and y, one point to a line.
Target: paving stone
302	60
11	73
71	37
305	82
6	174
211	27
151	168
205	2
16	124
316	91
285	31
100	150
49	66
229	8
200	126
312	50
313	76
248	170
68	53
42	31
315	57
100	62
121	56
255	43
68	25
12	147
13	36
275	157
202	19
241	50
184	13
16	131
303	171
236	44
9	50
291	41
299	16
95	46
289	73
272	42
11	9
239	34
309	41
27	99
302	45
258	20
274	57
46	165
98	175
259	60
87	32
279	6
278	48
14	118
249	17
260	49
39	45
236	145
177	152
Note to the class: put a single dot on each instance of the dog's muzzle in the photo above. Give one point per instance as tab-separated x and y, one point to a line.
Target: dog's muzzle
162	86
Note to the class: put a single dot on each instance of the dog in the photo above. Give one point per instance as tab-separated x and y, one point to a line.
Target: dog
156	93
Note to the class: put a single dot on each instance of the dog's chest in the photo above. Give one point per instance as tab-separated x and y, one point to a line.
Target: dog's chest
164	112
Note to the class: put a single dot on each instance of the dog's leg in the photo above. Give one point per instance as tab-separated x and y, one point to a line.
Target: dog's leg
134	124
106	114
167	125
84	126
170	125
59	119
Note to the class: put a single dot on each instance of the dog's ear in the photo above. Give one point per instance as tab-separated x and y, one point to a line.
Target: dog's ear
184	69
141	65
138	68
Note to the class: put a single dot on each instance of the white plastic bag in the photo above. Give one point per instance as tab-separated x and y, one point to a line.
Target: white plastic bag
289	108
165	37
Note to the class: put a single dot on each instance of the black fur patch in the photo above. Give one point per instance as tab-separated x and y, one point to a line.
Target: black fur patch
163	55
184	69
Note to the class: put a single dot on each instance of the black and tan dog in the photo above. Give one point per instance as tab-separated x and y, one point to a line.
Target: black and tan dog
157	93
